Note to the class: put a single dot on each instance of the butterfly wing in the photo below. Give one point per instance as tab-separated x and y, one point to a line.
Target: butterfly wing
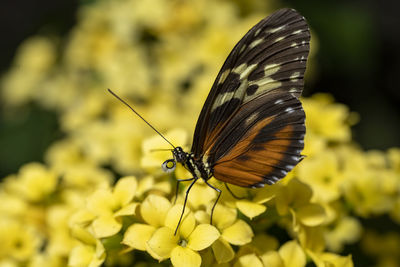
270	58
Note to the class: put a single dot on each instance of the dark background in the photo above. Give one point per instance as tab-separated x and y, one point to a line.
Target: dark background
358	63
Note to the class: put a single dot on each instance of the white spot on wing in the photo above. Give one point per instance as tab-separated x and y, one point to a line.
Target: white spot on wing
223	76
289	110
277	29
251	118
271	69
279	101
279	39
255	43
244	71
295	76
242	49
222	98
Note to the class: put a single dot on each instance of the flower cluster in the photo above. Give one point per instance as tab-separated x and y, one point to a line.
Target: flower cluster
100	197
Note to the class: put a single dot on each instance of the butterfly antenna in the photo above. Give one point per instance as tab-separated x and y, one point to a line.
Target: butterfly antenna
120	99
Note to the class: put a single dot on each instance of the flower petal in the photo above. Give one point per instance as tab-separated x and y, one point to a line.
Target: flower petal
125	189
162	242
249	260
106	226
101	202
311	214
292	254
187	224
154	210
312	238
223	216
201	195
263	243
80	255
272	259
239	233
223	252
185	257
331	259
137	235
265	194
202	217
250	209
202	237
129	209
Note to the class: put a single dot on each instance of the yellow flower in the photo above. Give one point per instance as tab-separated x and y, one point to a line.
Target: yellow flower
249	260
347	230
108	207
66	155
181	248
260	245
289	254
295	199
34	58
372	192
326	118
60	241
331	259
250	202
91	254
33	183
394	159
18	241
322	174
233	231
149	184
153	210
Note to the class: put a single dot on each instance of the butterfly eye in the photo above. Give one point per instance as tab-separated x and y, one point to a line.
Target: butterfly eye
169	165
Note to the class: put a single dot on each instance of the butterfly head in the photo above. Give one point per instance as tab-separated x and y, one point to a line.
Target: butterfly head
179	156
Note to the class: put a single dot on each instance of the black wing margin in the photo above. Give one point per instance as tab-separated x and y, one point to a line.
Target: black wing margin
270	58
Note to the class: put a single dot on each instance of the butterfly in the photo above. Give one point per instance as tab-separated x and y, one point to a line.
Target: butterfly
251	129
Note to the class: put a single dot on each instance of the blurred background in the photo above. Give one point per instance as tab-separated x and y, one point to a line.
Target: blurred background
358	63
358	59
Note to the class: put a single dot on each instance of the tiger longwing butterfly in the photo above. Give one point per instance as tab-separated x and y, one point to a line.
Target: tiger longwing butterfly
251	129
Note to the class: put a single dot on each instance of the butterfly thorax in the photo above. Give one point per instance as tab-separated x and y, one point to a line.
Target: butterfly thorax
197	167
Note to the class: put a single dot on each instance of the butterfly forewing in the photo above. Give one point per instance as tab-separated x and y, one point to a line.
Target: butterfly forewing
271	57
251	128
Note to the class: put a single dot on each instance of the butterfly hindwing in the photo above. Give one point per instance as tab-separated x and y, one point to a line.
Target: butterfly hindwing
269	133
269	59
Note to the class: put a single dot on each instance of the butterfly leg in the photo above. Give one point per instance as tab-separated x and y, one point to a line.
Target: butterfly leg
230	191
215	203
184	203
177	187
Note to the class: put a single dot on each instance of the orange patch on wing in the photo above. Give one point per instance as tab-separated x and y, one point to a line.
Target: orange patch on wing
254	164
243	145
